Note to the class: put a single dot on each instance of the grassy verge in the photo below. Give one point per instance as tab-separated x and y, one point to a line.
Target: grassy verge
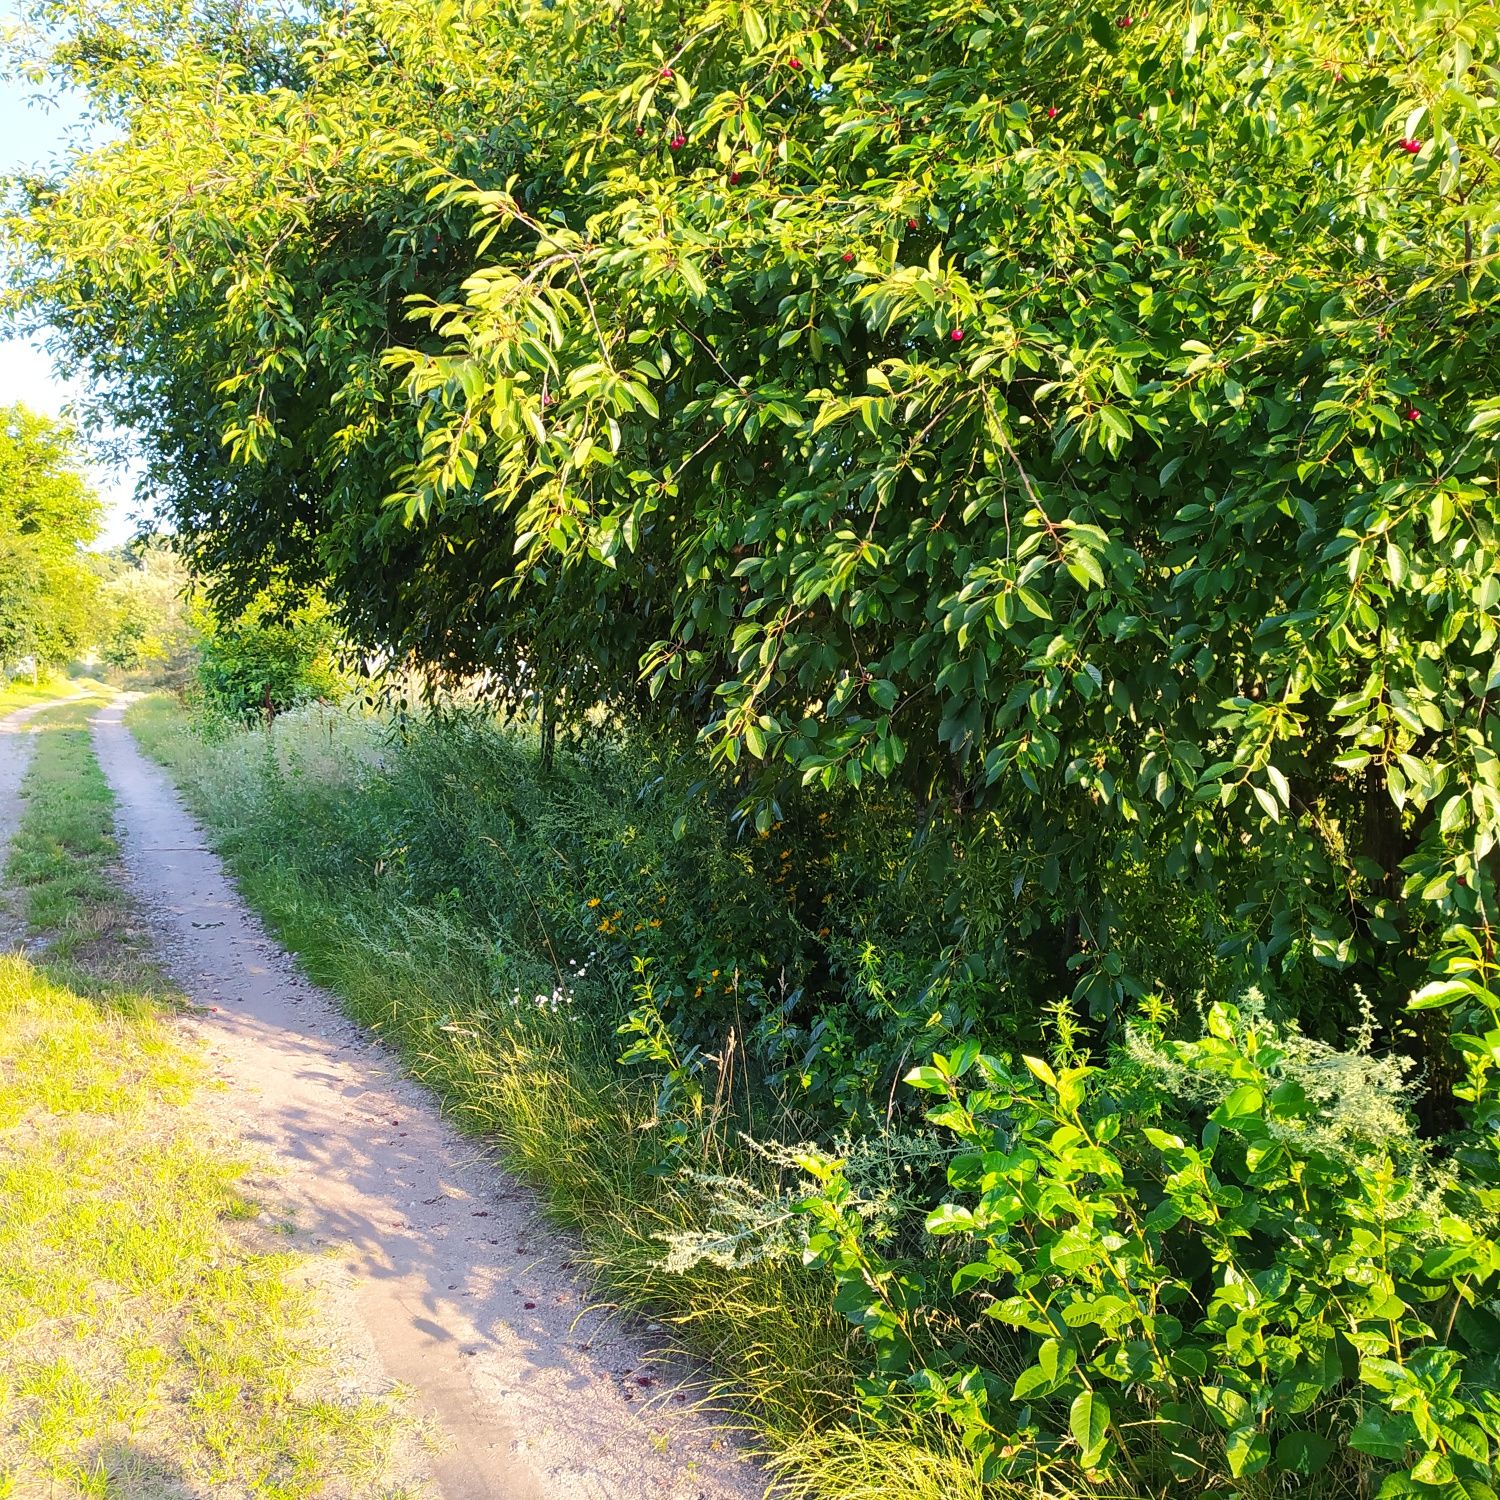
470	1012
150	1346
21	692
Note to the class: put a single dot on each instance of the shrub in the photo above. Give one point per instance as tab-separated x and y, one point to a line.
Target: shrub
270	658
1228	1263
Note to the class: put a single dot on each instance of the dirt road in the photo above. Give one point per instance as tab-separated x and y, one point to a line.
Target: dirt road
461	1290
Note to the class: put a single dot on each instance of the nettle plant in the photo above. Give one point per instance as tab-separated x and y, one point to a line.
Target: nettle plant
1226	1264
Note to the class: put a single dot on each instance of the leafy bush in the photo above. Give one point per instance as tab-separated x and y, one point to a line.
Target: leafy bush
1228	1263
271	658
1079	413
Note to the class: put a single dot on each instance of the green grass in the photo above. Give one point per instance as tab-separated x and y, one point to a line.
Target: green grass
60	855
544	1085
153	1341
21	692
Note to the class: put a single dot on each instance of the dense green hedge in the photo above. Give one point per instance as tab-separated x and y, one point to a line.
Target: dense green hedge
1081	412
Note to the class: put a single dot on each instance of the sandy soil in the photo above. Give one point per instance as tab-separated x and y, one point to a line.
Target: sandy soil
456	1284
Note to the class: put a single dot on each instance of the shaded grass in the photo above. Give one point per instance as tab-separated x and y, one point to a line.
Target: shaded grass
148	1346
543	1083
61	854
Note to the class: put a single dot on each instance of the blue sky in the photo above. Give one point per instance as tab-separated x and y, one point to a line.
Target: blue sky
32	135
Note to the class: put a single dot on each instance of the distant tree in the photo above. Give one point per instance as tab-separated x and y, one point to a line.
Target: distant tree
48	515
144	621
277	653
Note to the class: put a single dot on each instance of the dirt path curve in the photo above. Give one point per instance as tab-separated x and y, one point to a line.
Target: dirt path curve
16	742
466	1296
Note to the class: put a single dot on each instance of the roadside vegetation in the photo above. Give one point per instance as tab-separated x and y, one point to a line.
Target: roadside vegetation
970	541
154	1340
507	1012
587	962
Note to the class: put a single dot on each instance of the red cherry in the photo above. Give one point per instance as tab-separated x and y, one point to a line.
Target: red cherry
848	256
795	64
677	142
1410	145
1051	111
1126	21
734	179
666	74
957	335
1412	414
640	130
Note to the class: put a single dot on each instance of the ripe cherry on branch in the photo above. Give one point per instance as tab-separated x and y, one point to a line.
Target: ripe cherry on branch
667	75
795	64
957	335
677	142
1410	145
1412	414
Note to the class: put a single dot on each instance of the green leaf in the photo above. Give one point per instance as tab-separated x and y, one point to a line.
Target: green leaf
1248	1451
1229	1407
1440	993
948	1218
1041	1071
1381	1435
1090	1311
1088	1421
1302	1452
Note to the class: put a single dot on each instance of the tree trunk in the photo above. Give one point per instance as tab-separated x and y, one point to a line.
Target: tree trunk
549	733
